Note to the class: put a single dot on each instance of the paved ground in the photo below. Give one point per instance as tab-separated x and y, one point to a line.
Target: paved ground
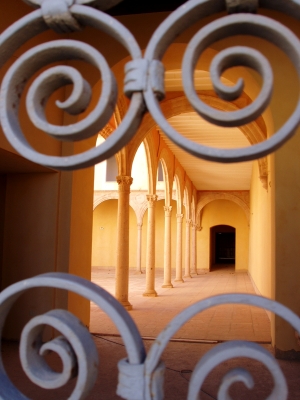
180	358
152	314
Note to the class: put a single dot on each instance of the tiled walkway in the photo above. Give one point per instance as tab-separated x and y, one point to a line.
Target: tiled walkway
220	323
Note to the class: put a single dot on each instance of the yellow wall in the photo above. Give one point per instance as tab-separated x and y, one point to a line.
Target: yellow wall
104	240
29	245
81	219
104	234
260	240
279	277
105	215
223	212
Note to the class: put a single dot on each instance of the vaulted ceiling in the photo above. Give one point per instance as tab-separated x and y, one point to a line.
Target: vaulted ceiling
207	175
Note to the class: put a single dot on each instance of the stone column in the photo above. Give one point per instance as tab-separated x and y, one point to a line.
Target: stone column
194	250
167	248
150	255
179	249
139	249
187	272
122	266
198	229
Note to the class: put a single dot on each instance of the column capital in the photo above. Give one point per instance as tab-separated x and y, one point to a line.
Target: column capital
124	182
151	198
139	224
188	222
199	228
179	217
168	211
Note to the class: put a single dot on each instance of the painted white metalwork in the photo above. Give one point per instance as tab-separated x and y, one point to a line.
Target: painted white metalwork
14	81
76	348
144	75
221	352
231	25
75	344
228	351
140	377
100	4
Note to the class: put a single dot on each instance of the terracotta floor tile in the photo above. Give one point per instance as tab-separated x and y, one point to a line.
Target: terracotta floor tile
224	322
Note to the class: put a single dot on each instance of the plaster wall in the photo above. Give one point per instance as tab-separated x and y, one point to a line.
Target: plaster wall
223	212
81	219
260	238
105	233
29	244
286	273
283	204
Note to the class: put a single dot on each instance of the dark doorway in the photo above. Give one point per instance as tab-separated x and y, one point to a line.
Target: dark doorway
222	249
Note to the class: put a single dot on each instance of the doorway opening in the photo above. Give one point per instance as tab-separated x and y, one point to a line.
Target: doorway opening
222	247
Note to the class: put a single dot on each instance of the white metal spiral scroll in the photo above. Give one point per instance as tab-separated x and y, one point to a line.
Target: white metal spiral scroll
40	56
75	347
144	80
220	353
140	378
237	24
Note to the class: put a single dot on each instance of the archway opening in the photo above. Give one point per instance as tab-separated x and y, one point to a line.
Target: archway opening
222	247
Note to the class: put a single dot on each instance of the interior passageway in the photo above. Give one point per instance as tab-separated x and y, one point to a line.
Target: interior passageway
227	322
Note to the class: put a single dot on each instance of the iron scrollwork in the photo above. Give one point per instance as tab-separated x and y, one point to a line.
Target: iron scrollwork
224	351
140	377
75	346
144	76
14	82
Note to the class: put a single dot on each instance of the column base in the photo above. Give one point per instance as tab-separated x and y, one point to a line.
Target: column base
187	276
150	293
168	285
179	280
126	305
138	272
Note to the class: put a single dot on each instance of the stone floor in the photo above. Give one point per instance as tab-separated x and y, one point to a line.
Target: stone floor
220	323
181	357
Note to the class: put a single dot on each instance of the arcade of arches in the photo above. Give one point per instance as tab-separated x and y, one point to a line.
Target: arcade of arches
140	222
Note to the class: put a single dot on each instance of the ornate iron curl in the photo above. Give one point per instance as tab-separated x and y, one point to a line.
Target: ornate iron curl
221	352
143	75
228	351
236	24
100	4
17	76
76	347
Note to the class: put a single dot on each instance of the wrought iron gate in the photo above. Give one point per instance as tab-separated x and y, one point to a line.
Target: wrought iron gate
140	375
